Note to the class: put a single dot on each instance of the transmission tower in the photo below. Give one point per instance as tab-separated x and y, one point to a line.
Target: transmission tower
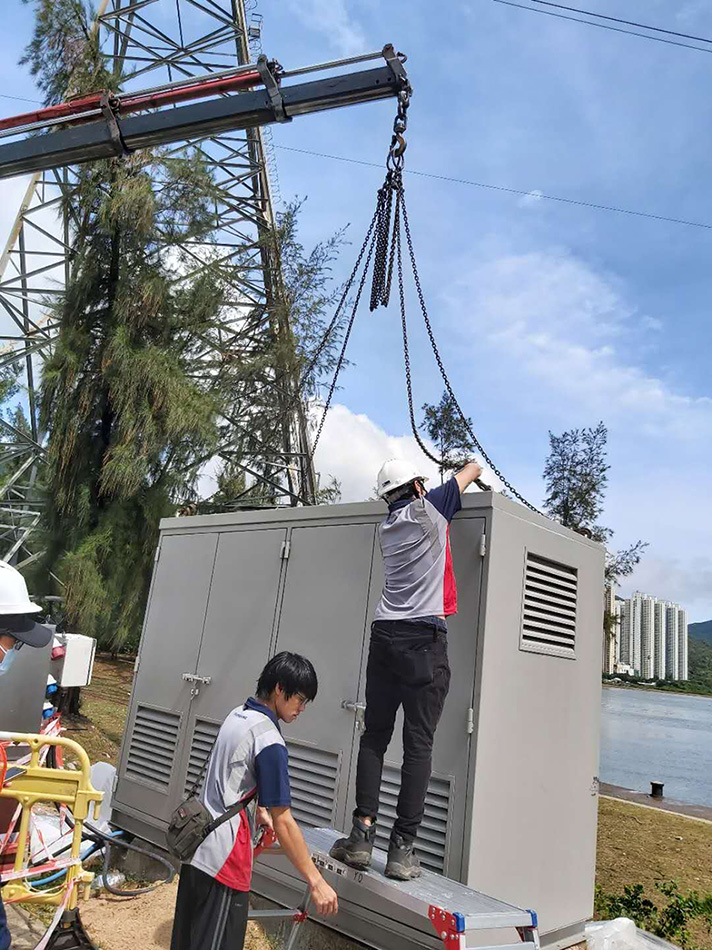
157	42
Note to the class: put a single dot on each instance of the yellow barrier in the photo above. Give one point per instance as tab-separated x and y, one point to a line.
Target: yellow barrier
38	783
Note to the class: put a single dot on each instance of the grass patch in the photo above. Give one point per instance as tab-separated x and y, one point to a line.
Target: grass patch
104	706
646	846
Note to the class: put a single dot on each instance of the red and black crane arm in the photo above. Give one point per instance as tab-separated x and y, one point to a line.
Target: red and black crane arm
105	124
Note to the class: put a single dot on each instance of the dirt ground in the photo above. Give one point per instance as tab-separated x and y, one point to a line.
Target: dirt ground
635	845
143	923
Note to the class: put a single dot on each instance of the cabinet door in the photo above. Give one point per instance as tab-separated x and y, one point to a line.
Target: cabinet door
237	635
148	779
324	614
441	833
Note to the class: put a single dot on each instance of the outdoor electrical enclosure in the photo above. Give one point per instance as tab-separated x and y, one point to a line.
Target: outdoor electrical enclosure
511	807
22	690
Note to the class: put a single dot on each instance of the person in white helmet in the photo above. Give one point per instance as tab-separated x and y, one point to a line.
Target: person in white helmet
407	660
17	629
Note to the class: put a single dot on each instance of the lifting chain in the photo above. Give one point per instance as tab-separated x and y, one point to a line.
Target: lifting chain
383	246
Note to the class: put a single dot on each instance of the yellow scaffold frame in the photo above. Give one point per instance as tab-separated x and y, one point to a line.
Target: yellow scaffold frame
38	783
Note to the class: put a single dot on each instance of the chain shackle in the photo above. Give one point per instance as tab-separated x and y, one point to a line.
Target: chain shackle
395	160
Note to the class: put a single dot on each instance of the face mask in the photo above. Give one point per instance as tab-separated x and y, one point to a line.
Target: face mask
8	660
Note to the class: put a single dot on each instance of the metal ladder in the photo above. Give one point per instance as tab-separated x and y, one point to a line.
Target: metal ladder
455	912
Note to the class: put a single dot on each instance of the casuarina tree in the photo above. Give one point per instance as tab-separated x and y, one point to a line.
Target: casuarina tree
443	424
576	478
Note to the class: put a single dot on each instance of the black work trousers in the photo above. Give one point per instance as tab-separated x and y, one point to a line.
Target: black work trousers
407	666
209	915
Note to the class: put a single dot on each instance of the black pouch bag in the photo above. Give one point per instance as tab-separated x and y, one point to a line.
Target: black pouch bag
191	822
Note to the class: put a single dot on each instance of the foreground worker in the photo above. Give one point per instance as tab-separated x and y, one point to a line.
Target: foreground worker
17	629
249	756
407	659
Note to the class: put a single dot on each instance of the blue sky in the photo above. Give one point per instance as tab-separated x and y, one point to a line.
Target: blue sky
549	315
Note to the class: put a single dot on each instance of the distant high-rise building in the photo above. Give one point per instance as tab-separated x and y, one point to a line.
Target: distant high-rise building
659	639
684	672
647	626
651	639
673	650
612	630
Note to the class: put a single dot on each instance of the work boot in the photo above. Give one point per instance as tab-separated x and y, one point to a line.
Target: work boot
402	863
356	849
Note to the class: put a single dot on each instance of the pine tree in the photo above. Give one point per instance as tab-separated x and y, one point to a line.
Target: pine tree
148	381
445	427
126	410
576	477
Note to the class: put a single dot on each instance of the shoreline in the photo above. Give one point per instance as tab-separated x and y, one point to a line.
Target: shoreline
644	800
654	689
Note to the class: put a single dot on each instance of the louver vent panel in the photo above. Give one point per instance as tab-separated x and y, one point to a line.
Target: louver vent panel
433	834
549	611
153	746
313	777
200	748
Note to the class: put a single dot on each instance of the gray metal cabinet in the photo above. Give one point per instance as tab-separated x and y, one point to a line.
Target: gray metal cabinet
161	697
236	637
326	620
511	807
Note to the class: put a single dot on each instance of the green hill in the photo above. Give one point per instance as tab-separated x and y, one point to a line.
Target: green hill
700	662
701	631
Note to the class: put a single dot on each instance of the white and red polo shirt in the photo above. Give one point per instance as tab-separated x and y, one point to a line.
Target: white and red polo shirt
249	753
415	543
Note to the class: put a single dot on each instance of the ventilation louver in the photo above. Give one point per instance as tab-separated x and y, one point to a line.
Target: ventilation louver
313	777
433	833
153	746
549	609
204	737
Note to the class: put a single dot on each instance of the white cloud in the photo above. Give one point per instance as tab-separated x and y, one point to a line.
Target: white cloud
352	448
332	19
550	317
685	582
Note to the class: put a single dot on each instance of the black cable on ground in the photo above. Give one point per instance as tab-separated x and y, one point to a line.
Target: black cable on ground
107	842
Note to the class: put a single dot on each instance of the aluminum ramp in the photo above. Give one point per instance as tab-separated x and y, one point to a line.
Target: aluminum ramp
455	912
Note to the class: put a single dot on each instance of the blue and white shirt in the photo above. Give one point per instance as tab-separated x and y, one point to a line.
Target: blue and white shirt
249	753
415	544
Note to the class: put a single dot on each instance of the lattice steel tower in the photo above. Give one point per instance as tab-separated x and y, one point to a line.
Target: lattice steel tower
157	42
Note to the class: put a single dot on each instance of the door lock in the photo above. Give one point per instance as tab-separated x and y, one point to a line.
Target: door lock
198	681
358	709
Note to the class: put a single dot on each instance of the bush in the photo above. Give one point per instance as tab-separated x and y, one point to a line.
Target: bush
670	921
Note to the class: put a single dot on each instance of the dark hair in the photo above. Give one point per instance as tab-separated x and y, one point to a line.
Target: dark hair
294	673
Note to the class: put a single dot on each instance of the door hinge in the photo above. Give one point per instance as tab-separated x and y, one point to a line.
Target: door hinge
286	548
483	544
470	721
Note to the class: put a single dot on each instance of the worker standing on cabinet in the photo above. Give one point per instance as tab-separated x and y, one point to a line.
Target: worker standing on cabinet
248	761
407	660
17	629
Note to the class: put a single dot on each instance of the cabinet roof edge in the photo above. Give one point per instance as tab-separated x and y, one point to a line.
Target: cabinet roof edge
356	511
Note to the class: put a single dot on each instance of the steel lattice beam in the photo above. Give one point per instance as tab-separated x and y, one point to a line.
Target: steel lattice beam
160	41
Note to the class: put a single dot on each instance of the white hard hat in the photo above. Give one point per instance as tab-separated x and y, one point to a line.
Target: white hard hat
15	605
395	473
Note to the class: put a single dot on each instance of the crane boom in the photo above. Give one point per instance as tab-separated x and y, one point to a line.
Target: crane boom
103	125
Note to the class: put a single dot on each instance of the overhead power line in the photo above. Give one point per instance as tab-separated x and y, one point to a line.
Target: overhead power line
512	191
607	26
615	19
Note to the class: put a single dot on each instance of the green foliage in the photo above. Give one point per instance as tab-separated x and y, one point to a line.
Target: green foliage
125	414
576	479
445	427
670	921
63	54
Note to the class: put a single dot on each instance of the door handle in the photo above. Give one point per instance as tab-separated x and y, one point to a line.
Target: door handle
358	709
202	680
